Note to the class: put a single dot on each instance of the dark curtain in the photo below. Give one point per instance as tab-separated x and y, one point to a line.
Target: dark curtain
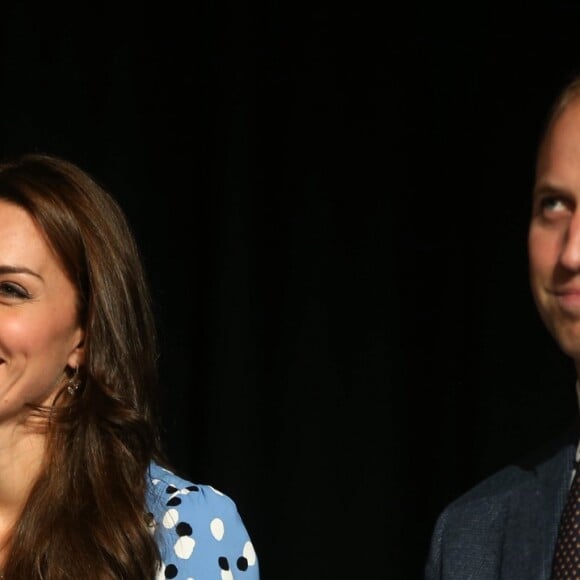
332	202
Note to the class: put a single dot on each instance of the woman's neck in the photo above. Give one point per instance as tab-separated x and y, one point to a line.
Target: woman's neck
21	456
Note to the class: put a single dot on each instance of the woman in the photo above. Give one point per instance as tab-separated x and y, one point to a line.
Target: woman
84	489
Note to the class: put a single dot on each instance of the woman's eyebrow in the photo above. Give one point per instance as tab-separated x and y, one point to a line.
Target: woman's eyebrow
5	269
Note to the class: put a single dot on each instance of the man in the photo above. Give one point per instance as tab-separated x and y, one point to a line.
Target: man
508	525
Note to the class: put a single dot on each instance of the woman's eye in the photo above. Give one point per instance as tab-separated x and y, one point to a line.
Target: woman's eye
11	290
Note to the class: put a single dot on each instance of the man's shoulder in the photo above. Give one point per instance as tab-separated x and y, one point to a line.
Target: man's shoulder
532	469
510	512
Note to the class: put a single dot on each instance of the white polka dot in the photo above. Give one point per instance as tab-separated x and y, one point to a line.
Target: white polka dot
184	547
161	573
227	575
170	518
215	490
249	553
217	529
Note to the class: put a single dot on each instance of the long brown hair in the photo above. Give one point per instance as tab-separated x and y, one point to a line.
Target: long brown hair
85	516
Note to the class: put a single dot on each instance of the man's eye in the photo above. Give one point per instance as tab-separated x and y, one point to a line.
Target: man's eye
11	290
553	204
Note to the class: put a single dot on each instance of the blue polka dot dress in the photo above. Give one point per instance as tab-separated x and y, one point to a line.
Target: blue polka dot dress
199	531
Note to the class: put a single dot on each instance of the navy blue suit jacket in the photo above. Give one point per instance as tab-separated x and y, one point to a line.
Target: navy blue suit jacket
506	526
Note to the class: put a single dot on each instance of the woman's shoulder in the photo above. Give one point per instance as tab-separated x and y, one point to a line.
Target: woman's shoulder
171	493
199	530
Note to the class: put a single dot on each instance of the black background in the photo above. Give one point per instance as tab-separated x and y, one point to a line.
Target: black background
332	204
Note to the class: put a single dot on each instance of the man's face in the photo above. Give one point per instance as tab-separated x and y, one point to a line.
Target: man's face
554	233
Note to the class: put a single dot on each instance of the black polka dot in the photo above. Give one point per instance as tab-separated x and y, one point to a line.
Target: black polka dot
223	563
242	563
192	488
174	501
170	489
171	571
183	529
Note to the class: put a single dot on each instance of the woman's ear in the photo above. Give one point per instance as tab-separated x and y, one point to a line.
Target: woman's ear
76	356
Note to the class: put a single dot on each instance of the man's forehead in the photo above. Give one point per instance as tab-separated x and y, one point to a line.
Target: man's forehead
559	152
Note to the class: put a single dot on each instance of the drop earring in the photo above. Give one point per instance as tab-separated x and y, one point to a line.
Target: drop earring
73	382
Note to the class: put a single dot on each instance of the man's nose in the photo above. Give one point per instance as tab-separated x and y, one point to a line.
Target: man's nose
570	255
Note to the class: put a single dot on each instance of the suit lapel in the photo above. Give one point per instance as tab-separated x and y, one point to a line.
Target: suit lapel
533	514
554	479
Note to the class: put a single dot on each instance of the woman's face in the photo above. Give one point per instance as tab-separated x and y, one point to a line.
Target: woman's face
39	331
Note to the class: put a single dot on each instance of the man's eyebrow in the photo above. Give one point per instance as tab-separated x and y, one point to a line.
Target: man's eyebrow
547	189
5	269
